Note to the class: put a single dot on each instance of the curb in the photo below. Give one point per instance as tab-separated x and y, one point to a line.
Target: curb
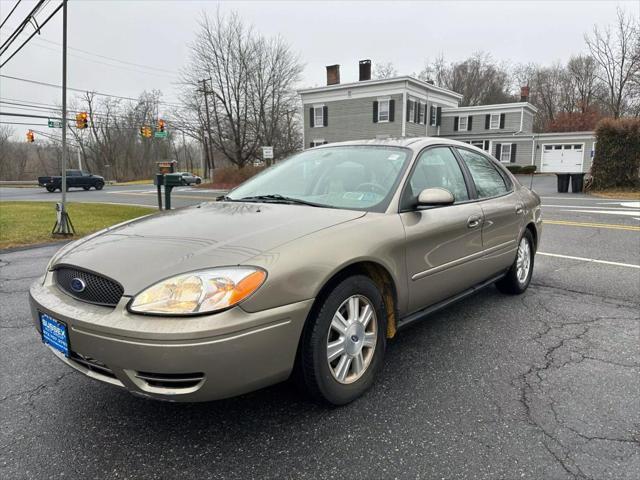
33	247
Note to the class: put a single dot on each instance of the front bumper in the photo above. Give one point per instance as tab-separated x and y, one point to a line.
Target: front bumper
188	359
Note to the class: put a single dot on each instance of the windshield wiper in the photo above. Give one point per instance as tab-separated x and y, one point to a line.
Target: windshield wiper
277	198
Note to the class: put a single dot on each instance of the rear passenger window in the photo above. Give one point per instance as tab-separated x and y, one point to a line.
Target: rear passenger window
488	180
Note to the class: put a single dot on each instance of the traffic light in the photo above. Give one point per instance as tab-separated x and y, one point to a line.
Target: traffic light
82	120
161	124
30	136
145	131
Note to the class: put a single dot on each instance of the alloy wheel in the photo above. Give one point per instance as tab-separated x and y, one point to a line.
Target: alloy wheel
352	338
523	261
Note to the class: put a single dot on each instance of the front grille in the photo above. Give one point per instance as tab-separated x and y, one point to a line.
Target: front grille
91	364
97	289
171	380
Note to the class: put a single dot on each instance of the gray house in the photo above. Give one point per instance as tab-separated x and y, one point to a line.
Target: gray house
408	107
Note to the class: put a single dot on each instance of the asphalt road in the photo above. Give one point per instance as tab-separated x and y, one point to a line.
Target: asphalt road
540	386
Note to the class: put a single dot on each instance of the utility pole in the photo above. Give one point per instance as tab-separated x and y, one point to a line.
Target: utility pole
63	224
210	162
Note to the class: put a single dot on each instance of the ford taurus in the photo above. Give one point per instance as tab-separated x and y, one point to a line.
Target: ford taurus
305	270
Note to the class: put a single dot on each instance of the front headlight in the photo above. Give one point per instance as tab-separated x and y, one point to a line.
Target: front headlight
205	291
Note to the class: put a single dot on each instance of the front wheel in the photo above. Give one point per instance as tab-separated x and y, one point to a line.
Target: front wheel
98	186
86	188
50	189
518	277
344	342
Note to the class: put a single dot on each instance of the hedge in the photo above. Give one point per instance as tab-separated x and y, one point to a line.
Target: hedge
616	163
528	169
515	169
521	169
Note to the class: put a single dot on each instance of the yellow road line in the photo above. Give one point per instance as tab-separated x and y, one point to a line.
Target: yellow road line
611	226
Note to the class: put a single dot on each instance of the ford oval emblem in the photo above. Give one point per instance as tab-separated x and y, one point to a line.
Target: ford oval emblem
78	285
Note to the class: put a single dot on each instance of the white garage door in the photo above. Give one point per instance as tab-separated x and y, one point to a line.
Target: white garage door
562	158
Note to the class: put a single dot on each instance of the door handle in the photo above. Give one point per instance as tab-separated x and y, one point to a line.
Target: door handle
474	221
519	209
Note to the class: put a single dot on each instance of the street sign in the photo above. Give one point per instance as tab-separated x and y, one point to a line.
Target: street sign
267	153
54	123
160	134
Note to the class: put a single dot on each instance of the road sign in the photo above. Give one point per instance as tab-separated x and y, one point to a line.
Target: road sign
267	153
54	123
160	134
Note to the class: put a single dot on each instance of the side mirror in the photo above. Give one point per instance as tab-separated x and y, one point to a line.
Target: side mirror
435	196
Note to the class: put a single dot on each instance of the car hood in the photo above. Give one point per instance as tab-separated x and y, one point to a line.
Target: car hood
144	251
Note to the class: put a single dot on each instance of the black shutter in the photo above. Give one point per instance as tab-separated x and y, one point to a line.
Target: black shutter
502	120
486	146
375	112
513	152
438	116
487	121
455	123
325	116
311	117
498	150
392	110
311	145
325	142
469	123
408	103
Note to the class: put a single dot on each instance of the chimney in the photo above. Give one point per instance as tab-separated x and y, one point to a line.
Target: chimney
365	70
333	74
524	93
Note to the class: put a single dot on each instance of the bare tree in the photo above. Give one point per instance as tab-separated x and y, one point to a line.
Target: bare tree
618	56
384	70
479	79
581	71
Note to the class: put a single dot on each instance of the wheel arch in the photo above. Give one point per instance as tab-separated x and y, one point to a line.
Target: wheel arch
531	226
376	272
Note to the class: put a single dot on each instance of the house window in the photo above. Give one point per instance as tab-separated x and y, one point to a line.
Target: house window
412	111
423	113
433	116
483	144
383	110
317	142
318	116
505	153
462	124
494	124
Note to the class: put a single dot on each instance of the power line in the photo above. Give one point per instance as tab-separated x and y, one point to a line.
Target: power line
16	33
111	58
45	84
7	18
37	30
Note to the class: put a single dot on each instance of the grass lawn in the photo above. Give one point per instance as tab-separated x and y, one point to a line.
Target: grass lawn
135	182
26	223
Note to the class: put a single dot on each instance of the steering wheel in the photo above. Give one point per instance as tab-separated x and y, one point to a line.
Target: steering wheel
372	187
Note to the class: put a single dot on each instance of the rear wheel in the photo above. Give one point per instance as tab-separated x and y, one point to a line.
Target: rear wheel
519	275
86	188
343	344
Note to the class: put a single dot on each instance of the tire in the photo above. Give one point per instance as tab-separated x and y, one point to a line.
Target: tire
198	181
337	381
51	189
86	188
98	186
515	283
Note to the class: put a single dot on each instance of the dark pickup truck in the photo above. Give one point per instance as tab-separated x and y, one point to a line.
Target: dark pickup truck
75	179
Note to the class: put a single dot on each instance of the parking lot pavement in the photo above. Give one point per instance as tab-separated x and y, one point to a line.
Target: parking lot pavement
539	386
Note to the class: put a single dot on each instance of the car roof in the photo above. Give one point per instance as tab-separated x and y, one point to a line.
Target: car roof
413	143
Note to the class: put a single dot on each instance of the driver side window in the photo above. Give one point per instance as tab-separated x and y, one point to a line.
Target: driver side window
436	168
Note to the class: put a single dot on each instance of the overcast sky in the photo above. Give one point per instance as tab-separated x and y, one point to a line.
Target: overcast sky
157	33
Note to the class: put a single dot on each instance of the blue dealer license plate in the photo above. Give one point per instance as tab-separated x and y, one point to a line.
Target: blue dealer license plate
54	333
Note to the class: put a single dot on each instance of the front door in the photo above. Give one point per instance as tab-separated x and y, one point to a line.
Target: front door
443	244
503	211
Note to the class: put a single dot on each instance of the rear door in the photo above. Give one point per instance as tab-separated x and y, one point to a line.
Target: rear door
502	209
443	244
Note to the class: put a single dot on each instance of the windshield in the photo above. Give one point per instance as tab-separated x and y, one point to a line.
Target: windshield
348	177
